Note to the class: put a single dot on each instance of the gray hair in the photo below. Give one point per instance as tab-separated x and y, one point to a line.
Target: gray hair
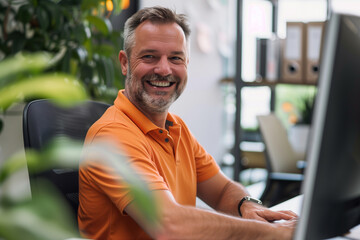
158	15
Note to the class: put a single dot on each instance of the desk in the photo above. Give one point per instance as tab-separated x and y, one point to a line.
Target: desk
294	205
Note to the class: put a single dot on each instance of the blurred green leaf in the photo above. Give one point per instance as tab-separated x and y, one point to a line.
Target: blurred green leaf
89	4
24	62
80	33
105	49
61	152
144	201
17	41
62	88
86	73
67	153
51	25
101	24
143	197
57	27
42	17
25	13
54	12
42	218
105	70
117	6
81	54
65	61
12	165
71	2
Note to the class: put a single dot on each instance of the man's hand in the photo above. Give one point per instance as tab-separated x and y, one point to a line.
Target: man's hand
252	210
186	222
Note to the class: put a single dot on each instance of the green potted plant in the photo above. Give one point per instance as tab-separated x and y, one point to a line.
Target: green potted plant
22	77
305	109
46	46
299	132
80	30
81	36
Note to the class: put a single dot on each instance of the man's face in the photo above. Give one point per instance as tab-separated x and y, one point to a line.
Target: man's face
156	71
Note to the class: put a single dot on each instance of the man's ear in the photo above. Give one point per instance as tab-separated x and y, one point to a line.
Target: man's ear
123	62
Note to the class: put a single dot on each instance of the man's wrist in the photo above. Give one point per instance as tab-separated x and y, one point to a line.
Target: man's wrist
247	198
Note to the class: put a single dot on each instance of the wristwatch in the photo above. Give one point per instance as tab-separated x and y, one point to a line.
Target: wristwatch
247	198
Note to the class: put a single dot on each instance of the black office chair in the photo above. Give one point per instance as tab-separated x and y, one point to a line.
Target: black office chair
42	121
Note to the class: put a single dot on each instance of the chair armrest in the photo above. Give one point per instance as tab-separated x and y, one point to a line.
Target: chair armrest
294	177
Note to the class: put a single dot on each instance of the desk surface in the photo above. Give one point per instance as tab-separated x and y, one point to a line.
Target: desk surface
294	205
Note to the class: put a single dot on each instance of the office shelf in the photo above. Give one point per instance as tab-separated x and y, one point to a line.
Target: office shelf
239	83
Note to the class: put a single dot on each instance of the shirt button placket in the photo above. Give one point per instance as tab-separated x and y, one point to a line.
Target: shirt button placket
166	139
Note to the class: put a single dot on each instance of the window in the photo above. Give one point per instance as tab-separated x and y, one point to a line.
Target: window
257	21
254	101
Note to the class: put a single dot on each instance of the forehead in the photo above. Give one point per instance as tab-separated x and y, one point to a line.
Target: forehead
160	35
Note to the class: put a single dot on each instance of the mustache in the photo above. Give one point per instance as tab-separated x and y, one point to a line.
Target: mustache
157	77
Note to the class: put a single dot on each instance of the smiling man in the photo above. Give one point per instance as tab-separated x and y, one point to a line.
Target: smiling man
156	69
162	149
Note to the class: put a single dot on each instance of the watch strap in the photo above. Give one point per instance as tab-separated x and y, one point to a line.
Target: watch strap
247	198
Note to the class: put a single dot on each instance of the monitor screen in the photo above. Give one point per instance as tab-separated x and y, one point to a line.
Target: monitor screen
331	188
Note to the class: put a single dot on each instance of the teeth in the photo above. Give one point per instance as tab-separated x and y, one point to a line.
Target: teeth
160	83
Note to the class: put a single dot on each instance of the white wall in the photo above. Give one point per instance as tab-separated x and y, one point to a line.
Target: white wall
11	142
201	104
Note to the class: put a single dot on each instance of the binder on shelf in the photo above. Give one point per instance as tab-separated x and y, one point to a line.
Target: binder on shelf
293	54
314	33
273	53
268	59
261	59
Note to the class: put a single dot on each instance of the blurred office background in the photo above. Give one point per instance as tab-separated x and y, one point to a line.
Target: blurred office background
209	103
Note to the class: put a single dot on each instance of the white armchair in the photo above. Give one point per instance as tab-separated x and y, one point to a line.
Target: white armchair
282	162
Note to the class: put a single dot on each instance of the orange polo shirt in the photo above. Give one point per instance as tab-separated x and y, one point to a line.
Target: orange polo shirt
166	159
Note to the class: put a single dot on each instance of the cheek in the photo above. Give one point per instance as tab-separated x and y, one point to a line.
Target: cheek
139	70
182	73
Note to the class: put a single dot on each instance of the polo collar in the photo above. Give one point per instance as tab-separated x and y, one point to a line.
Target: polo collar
123	104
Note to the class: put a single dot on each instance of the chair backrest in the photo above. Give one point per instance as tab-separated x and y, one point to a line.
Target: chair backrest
281	156
42	121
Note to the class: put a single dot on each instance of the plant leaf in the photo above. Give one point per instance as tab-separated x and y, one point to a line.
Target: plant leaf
67	153
41	218
24	62
117	6
63	89
102	24
89	4
142	196
42	17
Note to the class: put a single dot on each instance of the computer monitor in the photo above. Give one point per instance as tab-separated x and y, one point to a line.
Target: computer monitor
331	188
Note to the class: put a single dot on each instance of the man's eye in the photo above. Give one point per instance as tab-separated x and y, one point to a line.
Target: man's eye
176	58
148	56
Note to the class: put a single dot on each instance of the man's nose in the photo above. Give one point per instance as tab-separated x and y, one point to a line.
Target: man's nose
163	67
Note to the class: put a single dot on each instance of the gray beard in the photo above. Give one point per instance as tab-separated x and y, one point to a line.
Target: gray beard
148	103
155	105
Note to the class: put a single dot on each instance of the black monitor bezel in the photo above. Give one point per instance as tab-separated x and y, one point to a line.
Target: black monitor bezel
330	212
